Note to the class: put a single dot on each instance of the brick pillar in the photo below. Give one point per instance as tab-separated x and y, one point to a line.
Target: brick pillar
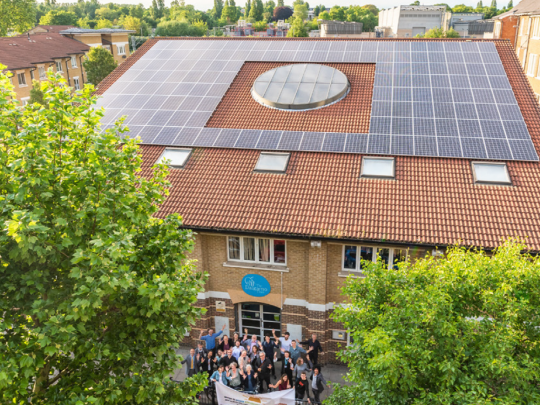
317	263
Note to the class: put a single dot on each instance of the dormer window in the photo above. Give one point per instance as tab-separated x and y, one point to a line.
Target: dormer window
491	173
177	157
378	167
272	162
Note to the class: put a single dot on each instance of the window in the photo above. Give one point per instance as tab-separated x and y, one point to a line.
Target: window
532	67
354	257
272	162
59	66
177	157
32	75
256	250
42	74
121	49
25	100
490	173
378	167
76	83
22	79
536	28
73	61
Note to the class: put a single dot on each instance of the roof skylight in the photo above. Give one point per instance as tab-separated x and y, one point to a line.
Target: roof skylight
177	157
272	162
490	173
378	167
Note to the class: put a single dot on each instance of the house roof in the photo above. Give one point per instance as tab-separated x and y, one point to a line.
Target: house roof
526	7
53	28
432	201
97	31
24	52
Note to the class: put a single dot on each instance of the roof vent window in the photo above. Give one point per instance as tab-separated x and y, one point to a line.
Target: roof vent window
272	162
378	167
177	157
490	173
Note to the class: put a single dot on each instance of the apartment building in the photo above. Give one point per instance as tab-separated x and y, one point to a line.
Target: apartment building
112	39
295	158
29	57
409	21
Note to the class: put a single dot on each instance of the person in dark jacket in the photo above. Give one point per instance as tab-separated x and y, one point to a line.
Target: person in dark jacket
287	365
227	360
192	362
249	379
317	384
301	388
264	371
314	348
268	347
207	363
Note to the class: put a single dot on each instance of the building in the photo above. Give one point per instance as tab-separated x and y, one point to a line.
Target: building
528	40
340	29
311	13
244	29
409	21
471	25
28	57
294	158
505	26
112	39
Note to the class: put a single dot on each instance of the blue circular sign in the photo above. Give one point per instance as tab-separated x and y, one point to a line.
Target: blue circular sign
255	285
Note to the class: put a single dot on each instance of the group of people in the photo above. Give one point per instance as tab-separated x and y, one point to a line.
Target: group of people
247	363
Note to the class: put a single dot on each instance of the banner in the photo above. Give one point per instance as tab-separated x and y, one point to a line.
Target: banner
228	396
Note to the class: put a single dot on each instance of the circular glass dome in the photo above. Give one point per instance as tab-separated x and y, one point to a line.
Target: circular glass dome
300	87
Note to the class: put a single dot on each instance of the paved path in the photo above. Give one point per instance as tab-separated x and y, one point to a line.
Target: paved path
331	372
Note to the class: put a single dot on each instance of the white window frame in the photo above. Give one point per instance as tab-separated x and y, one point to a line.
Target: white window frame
271	262
536	28
378	176
121	49
23	76
25	100
73	61
375	248
32	74
491	183
42	73
76	83
532	67
59	65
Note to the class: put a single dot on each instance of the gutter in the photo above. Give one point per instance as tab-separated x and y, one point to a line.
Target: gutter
67	73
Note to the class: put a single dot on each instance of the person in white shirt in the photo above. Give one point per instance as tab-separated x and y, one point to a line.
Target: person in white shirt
285	342
237	351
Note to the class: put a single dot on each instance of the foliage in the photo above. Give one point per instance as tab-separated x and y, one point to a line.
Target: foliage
352	14
325	15
131	23
59	17
370	7
99	64
301	11
105	13
269	7
158	9
247	8
95	291
462	8
463	329
218	8
448	8
439	33
415	3
260	26
510	5
280	3
282	13
257	10
103	24
179	29
229	12
83	22
36	94
298	28
16	16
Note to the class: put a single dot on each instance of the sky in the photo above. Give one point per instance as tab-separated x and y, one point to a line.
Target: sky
207	4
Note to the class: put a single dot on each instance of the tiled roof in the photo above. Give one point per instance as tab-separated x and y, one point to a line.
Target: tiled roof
239	110
526	7
23	52
53	28
433	201
92	31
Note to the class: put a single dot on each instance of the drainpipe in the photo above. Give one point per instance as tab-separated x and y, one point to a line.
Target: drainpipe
528	41
81	67
67	72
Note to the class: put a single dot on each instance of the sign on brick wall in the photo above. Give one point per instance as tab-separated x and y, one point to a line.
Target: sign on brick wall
255	285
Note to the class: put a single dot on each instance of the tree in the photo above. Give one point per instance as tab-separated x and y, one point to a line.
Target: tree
462	8
181	29
218	8
269	7
415	3
494	4
59	17
83	22
96	291
36	94
105	13
260	26
480	5
325	15
257	10
451	33
16	16
510	5
229	12
104	24
131	23
448	8
463	329
439	33
282	13
247	9
298	28
372	8
280	3
99	64
301	11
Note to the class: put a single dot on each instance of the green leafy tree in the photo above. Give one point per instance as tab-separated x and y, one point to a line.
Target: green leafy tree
325	15
510	5
439	33
363	15
104	24
99	64
59	17
269	7
260	26
36	94
257	10
300	11
131	23
479	5
247	9
83	22
337	13
298	29
374	10
105	13
415	3
218	9
282	13
95	291
180	29
494	4
463	329
229	12
16	16
462	8
280	3
137	11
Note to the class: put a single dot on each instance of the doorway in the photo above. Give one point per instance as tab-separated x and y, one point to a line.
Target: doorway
259	319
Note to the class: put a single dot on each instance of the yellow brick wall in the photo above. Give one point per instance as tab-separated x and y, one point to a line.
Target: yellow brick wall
529	44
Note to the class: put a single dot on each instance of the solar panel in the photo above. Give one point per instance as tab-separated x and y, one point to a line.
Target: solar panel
429	98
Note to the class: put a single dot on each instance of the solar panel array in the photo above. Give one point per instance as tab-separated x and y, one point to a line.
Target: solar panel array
449	99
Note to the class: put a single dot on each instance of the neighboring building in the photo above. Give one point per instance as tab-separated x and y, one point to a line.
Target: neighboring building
505	27
244	29
29	57
114	40
409	21
311	13
461	21
475	29
361	148
528	40
340	29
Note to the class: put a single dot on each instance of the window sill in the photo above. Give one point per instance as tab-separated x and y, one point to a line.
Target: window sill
256	266
355	274
22	86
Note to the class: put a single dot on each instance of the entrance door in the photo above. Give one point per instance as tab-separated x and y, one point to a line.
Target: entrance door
259	319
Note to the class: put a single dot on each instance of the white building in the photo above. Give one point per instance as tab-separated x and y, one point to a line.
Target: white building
409	21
